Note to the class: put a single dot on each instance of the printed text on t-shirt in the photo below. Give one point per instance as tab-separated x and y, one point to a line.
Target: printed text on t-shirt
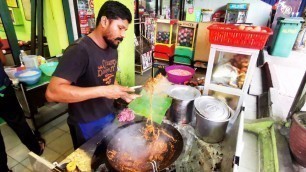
106	70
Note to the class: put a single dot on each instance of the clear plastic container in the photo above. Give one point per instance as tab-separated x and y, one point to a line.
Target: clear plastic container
21	55
30	61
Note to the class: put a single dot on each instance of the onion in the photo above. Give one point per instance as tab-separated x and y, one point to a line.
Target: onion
241	27
248	28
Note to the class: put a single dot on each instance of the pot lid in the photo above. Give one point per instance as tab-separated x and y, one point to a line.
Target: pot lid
184	92
211	108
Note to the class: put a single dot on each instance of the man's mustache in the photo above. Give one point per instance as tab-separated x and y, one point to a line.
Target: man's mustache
119	39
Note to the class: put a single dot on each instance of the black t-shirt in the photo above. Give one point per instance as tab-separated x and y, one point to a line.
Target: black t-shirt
4	79
85	64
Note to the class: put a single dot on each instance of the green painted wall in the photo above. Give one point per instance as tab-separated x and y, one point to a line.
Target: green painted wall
23	32
54	26
126	49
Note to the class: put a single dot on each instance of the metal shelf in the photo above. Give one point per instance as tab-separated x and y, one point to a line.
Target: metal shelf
225	89
143	48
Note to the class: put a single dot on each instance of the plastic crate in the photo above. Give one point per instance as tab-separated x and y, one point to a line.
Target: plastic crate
228	34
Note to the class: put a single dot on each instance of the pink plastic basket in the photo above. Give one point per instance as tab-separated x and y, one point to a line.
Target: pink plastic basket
179	79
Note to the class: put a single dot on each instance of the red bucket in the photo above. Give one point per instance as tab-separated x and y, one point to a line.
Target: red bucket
178	74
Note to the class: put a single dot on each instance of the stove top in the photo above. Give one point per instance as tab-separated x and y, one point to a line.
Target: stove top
197	155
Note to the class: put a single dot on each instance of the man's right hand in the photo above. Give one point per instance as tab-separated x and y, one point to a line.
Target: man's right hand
61	90
118	91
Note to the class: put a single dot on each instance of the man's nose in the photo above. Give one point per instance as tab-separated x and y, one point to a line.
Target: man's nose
122	34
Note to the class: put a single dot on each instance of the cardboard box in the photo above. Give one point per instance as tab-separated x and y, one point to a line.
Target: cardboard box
202	45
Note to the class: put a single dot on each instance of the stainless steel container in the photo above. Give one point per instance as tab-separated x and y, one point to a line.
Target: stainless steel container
212	117
181	109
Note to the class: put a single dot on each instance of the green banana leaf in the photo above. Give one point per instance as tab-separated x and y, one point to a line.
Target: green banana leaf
160	105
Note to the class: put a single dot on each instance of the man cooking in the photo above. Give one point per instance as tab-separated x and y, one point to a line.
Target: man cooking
85	76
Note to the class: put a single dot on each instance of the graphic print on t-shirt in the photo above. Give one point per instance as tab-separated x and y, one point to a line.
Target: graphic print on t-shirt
106	71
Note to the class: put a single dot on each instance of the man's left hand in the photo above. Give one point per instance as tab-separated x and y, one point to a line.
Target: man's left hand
129	97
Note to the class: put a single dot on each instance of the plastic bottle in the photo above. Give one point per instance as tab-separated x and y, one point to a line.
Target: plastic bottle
21	55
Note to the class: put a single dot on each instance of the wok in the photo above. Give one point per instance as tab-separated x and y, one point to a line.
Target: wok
128	139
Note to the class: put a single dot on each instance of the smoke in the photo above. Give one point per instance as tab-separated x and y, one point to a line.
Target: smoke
163	86
131	142
158	86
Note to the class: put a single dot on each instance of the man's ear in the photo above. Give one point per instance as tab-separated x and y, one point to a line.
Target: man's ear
104	21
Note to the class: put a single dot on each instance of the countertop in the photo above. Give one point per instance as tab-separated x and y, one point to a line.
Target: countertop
197	154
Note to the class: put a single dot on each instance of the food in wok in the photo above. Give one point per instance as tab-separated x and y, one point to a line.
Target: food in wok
136	146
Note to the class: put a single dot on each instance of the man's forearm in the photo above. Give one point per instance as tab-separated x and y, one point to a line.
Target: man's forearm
71	94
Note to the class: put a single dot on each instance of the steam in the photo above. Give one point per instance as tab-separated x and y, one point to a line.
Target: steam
158	85
163	86
131	142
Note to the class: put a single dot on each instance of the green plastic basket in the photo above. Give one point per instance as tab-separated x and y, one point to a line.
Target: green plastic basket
48	68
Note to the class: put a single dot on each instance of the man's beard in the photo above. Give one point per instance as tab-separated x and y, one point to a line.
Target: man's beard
111	43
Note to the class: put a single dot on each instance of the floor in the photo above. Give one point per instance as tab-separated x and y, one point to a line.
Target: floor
59	143
57	137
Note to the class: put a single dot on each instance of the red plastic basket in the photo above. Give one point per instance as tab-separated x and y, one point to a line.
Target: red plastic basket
228	34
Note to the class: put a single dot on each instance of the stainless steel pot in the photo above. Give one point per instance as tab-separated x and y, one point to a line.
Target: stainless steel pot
181	109
212	117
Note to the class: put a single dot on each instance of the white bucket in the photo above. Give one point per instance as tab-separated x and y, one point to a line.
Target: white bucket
30	61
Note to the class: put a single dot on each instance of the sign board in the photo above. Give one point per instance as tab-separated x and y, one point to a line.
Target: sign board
146	60
237	6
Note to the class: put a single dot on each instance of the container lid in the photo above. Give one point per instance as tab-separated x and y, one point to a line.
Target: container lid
291	20
211	108
184	92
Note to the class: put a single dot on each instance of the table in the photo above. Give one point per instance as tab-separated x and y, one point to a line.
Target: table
32	97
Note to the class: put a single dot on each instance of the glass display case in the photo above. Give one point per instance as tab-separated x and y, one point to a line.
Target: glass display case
236	12
165	31
186	32
185	39
165	34
229	72
229	99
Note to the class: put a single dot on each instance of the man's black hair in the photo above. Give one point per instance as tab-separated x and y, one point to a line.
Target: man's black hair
114	10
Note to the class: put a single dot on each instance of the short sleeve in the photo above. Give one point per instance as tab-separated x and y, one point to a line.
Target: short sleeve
72	64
